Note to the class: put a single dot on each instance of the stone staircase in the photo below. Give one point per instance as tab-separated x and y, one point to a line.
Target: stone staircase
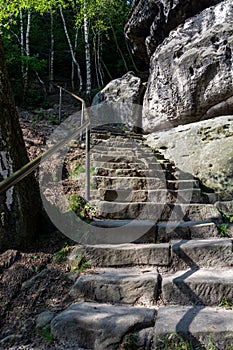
159	269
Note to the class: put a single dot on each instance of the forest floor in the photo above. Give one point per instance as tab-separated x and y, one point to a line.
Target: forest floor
37	279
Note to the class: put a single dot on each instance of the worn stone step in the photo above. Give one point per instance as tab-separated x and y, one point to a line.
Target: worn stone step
126	231
186	230
130	172
122	143
203	253
96	326
127	152
118	286
182	184
109	255
200	326
157	196
156	211
120	158
139	164
134	183
200	287
134	146
108	150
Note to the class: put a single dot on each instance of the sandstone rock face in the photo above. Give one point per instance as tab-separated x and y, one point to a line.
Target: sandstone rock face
151	21
203	149
191	71
119	102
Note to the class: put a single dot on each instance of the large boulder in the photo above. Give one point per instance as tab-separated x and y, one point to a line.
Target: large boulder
151	21
203	149
191	71
119	102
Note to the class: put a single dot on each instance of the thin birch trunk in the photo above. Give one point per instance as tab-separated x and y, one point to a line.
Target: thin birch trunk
22	43
73	65
71	49
99	50
51	63
27	52
87	50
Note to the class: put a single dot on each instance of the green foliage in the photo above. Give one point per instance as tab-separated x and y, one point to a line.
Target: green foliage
61	255
81	264
222	229
46	333
105	17
75	173
83	209
132	342
75	202
174	341
227	303
227	217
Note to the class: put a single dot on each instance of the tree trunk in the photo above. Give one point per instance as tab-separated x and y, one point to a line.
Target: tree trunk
87	50
51	56
71	50
20	205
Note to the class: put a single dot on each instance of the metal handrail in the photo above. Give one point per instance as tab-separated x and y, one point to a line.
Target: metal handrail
34	164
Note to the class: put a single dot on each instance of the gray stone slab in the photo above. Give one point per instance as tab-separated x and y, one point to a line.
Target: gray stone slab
192	212
133	183
140	164
186	230
157	211
198	324
182	184
119	158
98	326
142	231
130	172
108	255
136	210
157	196
201	287
204	253
118	286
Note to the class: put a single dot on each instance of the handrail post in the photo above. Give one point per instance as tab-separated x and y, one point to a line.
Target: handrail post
60	105
82	118
88	170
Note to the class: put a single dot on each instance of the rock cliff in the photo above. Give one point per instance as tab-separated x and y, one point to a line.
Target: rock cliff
191	71
151	21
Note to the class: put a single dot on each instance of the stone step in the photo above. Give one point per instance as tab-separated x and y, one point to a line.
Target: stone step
126	231
130	172
200	326
139	164
157	211
200	287
204	253
157	196
97	326
108	150
134	146
129	152
109	255
122	143
133	183
118	286
182	184
186	230
120	158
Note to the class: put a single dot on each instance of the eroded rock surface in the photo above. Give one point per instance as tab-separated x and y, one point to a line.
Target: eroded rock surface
119	102
203	149
191	71
151	21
